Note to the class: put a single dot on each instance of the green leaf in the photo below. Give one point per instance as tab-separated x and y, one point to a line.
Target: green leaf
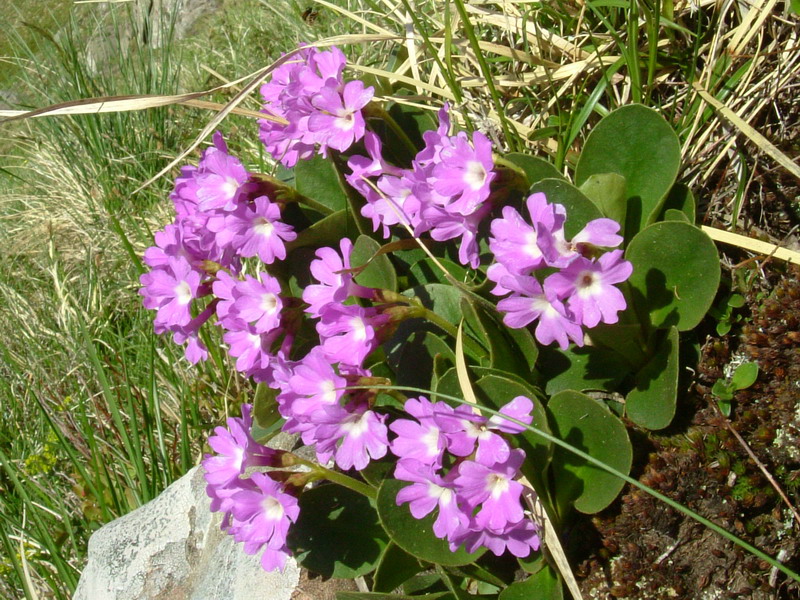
579	369
444	300
636	142
589	426
379	273
535	168
580	210
672	214
380	596
337	533
425	271
415	536
675	274
608	192
745	375
504	352
651	403
722	389
395	567
325	232
265	413
680	198
319	180
542	585
412	352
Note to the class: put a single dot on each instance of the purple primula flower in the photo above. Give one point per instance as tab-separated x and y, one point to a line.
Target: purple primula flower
423	441
219	177
447	226
515	243
518	539
428	492
464	171
529	302
236	451
339	122
463	429
308	91
560	252
312	386
258	231
494	489
259	302
335	283
348	333
223	289
251	349
353	437
589	285
195	350
262	517
170	290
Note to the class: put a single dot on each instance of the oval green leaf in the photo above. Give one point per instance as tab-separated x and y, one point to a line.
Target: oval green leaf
415	536
609	192
535	168
337	533
636	142
652	402
379	273
318	179
675	274
589	426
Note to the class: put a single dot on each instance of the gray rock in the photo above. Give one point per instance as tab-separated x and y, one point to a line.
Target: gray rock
172	548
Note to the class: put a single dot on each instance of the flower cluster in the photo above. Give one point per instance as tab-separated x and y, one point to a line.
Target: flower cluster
459	462
221	218
444	192
216	262
321	110
257	510
580	292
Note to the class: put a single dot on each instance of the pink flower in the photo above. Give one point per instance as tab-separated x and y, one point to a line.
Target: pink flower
261	519
258	231
589	287
339	122
464	172
235	451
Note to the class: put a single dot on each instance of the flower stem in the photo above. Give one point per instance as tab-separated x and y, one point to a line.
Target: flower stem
320	472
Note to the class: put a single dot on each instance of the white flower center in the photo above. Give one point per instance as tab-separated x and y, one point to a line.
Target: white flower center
229	187
269	303
359	328
542	305
356	425
474	175
263	226
273	509
254	339
531	245
183	292
328	392
345	121
497	484
588	284
431	441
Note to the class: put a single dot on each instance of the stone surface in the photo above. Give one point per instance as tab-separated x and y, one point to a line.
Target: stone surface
172	548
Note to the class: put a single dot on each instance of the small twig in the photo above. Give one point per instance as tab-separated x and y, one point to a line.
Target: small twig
759	464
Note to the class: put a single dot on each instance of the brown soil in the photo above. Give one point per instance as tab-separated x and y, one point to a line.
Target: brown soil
649	551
